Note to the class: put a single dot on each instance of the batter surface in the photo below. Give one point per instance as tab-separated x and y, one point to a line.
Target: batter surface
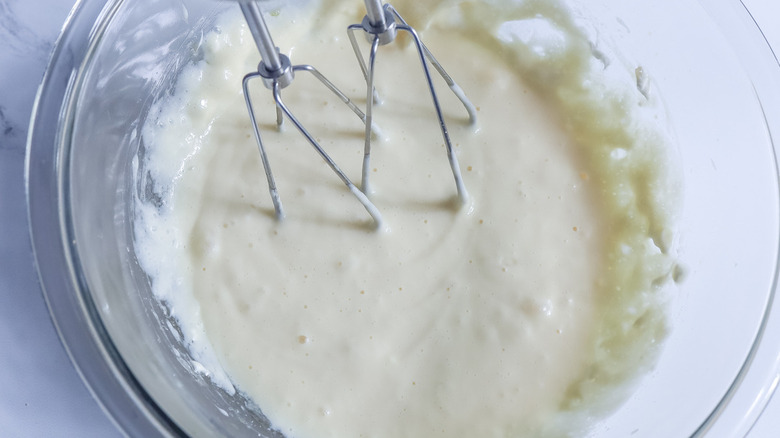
489	319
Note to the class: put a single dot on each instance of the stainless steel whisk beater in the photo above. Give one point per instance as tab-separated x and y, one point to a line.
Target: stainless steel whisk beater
381	25
277	72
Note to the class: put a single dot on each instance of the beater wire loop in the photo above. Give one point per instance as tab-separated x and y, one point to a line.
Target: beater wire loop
277	72
381	25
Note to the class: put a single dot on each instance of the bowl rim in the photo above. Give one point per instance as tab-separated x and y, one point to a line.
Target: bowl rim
72	310
749	394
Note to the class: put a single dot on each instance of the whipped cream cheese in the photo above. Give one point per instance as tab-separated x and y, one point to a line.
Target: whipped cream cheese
500	318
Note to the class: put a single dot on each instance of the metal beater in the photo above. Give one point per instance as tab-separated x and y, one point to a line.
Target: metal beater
381	25
277	72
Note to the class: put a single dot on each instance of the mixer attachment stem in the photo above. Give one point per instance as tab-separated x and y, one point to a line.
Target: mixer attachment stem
277	72
381	25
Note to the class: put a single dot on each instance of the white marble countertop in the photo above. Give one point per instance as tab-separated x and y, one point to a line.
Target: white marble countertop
41	394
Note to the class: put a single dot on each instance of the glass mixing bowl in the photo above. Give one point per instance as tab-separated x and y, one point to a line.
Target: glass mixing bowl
114	59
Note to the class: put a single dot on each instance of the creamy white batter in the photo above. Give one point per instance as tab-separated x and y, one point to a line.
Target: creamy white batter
488	320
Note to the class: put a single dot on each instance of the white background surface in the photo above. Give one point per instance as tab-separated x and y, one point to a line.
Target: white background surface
41	394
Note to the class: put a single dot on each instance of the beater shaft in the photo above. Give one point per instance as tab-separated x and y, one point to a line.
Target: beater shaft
261	35
375	13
